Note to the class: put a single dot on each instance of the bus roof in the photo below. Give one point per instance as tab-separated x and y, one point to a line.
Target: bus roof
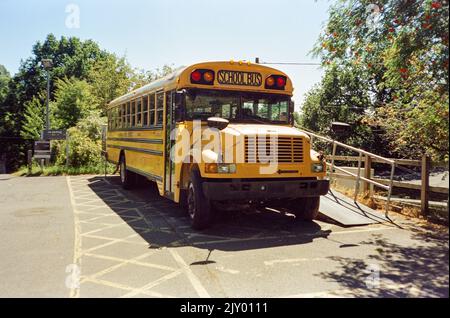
180	78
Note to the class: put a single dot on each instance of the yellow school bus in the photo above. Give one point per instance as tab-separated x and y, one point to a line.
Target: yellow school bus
217	136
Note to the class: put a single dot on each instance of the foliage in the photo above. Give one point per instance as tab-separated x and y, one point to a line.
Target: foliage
398	51
92	124
110	78
84	142
342	97
73	101
83	150
4	80
82	80
57	170
33	122
142	77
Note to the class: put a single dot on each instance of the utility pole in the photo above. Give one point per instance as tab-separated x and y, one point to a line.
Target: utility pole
48	64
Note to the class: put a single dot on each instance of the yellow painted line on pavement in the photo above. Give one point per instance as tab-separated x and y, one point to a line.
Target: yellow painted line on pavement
294	260
75	292
199	288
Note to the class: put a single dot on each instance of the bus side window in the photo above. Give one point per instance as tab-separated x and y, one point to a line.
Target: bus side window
133	113
122	115
145	110
139	113
159	108
128	117
152	109
116	117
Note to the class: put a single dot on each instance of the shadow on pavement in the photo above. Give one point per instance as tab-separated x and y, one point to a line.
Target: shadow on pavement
419	270
162	223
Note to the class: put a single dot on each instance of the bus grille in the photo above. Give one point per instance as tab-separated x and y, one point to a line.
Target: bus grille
290	150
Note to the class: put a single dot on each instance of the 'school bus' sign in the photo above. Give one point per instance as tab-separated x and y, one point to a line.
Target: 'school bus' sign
239	78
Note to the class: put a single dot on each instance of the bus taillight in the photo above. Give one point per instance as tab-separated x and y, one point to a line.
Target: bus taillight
276	82
281	82
196	76
270	81
205	77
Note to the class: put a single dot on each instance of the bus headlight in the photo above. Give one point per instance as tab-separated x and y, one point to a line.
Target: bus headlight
220	168
317	167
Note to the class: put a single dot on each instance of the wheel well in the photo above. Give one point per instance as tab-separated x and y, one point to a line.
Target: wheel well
185	173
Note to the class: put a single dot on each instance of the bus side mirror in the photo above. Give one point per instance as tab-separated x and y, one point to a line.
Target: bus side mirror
218	123
291	112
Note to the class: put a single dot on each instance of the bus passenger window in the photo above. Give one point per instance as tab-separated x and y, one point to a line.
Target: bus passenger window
133	114
122	116
128	117
138	113
114	118
152	109
159	108
119	118
145	110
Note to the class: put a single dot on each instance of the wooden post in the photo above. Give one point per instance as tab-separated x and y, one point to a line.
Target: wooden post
425	185
30	161
67	151
367	174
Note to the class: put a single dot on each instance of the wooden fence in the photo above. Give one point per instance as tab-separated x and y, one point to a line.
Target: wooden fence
425	165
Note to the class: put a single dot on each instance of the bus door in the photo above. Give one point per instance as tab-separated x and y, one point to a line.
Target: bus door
169	165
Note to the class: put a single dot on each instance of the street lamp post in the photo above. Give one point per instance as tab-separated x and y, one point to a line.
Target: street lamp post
48	64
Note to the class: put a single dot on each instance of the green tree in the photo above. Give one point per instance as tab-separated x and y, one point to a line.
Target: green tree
33	122
340	96
73	101
110	78
71	57
4	81
399	51
84	142
143	77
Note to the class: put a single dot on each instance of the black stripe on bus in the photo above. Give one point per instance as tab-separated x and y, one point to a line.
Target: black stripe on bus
149	151
147	174
140	140
159	127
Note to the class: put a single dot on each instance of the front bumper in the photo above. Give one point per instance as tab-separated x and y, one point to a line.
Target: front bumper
264	190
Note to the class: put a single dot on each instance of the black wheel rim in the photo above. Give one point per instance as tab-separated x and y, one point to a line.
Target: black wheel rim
191	201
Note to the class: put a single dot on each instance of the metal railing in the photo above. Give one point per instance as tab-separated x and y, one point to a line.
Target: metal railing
358	176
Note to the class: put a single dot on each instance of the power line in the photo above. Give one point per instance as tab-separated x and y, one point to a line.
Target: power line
286	63
257	61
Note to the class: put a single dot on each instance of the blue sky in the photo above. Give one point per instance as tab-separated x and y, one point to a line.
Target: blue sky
158	32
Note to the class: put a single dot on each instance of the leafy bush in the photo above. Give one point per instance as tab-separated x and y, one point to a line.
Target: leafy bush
85	143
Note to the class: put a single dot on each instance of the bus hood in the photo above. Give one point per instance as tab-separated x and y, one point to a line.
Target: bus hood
255	129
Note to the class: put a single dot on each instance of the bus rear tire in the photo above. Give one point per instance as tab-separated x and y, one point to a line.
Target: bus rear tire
198	206
306	209
127	177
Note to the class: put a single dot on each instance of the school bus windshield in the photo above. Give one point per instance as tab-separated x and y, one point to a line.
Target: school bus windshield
238	106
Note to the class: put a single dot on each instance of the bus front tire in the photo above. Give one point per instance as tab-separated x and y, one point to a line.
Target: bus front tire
127	177
306	209
198	206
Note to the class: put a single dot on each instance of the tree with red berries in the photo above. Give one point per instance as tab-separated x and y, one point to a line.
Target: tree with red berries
399	51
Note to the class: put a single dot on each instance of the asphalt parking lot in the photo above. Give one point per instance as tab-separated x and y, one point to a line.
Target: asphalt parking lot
84	236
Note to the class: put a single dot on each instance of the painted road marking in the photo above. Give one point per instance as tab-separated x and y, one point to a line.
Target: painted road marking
75	292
